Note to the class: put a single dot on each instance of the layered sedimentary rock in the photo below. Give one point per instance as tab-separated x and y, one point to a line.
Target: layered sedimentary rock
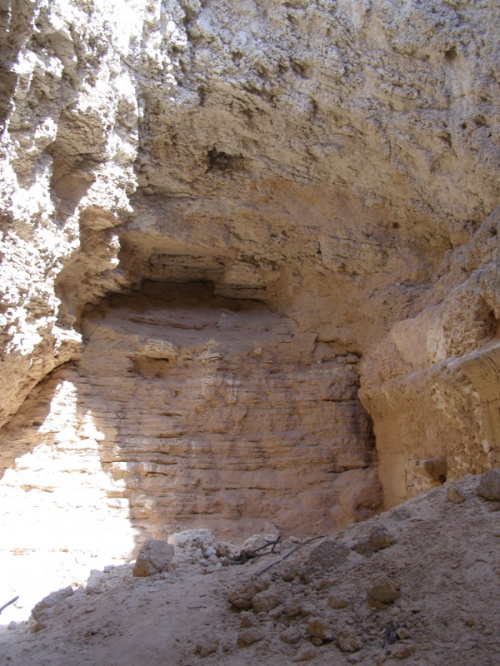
332	166
204	409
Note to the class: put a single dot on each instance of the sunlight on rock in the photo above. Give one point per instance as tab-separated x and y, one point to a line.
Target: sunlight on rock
59	518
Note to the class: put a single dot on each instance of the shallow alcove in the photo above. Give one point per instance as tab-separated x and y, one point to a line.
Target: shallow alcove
185	409
220	412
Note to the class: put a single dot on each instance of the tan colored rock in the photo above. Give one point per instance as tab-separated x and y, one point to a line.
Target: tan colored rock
291	635
249	636
206	646
384	593
290	572
306	653
326	558
379	537
337	602
308	608
242	596
154	557
319	628
323	583
348	641
293	606
47	607
402	651
489	485
247	620
454	494
267	600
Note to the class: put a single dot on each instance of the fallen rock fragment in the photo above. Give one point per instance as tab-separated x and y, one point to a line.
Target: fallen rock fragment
44	609
383	594
348	641
290	572
380	537
402	651
193	545
249	636
276	613
242	597
489	485
308	608
247	620
319	628
154	557
403	633
454	494
226	549
206	646
267	600
325	558
306	653
293	606
291	635
337	602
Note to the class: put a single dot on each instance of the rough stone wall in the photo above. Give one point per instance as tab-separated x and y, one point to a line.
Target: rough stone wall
432	385
67	149
207	411
336	160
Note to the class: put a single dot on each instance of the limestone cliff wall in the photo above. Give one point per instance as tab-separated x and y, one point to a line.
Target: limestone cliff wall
336	161
204	411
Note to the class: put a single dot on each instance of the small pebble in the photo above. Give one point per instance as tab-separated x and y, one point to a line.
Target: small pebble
317	627
249	636
337	602
454	494
348	641
306	653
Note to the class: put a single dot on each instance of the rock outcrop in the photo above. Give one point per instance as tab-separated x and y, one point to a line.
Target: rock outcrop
323	176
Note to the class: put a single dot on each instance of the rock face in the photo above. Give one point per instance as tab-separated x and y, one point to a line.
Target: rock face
225	219
204	409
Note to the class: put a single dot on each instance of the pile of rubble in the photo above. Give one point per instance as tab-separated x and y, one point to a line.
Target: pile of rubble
419	583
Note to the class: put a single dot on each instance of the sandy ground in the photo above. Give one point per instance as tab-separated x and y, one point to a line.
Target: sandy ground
418	584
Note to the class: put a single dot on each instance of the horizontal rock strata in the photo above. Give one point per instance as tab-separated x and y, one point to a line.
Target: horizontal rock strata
330	166
214	410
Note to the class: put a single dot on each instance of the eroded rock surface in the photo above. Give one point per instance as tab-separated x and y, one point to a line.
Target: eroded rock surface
211	411
330	166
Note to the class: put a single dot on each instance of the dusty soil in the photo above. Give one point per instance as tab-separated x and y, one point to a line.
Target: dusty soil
418	584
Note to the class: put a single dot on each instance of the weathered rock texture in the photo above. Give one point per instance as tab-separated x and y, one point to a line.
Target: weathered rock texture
333	166
204	410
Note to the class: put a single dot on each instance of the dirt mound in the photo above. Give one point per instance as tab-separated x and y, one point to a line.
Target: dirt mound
419	583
